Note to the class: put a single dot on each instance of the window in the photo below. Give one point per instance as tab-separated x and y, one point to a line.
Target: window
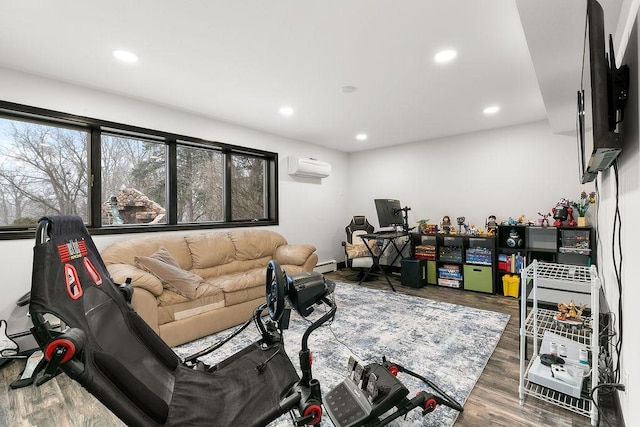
200	184
248	187
121	178
133	180
43	170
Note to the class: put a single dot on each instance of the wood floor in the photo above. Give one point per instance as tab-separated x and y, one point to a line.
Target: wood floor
493	401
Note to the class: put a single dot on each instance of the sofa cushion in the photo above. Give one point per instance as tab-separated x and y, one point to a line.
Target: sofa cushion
254	244
174	306
211	249
241	280
165	267
125	251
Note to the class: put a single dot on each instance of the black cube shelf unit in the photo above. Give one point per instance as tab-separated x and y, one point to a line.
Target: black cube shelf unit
479	263
564	245
458	261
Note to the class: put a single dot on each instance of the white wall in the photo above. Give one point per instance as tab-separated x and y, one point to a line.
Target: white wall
629	205
505	172
311	210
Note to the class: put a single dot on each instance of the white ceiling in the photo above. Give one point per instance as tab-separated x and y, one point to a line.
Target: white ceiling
240	61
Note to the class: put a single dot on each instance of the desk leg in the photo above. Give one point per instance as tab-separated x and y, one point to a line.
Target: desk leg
376	262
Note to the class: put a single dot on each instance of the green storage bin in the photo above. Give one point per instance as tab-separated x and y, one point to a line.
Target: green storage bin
432	276
478	278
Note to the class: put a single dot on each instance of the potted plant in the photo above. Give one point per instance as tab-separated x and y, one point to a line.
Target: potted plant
582	206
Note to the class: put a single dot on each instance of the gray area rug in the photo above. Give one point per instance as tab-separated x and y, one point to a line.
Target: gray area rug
446	343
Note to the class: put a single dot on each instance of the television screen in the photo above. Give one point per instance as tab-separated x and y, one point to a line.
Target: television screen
389	212
601	99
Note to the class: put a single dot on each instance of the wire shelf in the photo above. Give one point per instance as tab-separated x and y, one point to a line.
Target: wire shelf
572	280
559	272
546	322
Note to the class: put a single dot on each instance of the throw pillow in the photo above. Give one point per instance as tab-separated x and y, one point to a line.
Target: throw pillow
162	265
358	250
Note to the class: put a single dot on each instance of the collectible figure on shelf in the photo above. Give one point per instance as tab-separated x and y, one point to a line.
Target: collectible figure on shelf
446	224
544	221
492	225
461	223
512	221
570	313
572	221
561	212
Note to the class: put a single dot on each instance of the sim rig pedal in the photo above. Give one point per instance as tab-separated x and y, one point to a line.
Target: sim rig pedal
366	394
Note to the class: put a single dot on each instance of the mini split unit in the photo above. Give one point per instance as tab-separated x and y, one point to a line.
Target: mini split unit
308	167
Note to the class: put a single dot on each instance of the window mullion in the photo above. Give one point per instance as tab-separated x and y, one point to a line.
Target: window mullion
172	182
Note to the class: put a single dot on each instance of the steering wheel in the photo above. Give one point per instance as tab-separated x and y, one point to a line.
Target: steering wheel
275	290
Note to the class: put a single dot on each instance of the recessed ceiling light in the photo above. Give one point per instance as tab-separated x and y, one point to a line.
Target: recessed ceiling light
125	56
286	111
361	136
491	110
445	55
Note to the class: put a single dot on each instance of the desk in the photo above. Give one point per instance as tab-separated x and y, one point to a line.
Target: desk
385	240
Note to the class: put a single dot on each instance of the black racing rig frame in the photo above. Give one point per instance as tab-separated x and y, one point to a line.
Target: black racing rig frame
369	394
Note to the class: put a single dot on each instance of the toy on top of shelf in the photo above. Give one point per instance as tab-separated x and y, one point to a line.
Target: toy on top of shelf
544	221
445	226
462	223
491	225
511	221
561	212
423	226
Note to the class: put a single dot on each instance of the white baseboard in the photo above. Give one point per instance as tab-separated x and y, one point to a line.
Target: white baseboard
326	266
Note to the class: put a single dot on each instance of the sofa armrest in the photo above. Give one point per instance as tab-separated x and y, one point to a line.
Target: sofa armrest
146	306
139	278
294	254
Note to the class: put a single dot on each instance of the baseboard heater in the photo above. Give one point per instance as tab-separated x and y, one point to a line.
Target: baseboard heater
326	266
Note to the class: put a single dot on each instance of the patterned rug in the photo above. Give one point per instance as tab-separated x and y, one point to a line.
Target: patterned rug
446	343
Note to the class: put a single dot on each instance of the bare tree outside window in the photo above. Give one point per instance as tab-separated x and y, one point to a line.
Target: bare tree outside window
248	187
43	171
133	180
200	184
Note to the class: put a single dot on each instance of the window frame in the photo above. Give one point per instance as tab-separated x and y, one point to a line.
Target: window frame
96	127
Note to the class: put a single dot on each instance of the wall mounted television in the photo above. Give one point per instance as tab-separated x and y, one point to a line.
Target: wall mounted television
607	94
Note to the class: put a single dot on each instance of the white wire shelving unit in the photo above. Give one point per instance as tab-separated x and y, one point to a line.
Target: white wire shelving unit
534	321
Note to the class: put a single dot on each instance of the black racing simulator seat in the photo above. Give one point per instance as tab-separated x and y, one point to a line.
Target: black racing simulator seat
106	347
99	341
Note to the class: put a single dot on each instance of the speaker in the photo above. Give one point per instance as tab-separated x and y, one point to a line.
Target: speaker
413	273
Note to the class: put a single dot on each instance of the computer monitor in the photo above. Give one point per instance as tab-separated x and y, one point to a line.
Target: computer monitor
389	212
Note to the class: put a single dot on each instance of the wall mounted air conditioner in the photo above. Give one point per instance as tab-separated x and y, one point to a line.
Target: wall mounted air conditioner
308	167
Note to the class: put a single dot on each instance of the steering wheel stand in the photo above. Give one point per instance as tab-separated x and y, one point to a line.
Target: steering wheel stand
306	394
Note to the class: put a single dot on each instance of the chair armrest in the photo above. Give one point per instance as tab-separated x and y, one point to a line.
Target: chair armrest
139	278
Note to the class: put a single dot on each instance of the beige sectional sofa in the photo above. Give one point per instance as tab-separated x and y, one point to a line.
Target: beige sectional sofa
187	286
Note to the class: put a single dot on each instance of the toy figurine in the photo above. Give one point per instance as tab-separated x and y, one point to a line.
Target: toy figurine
446	224
572	221
492	225
544	221
561	212
461	223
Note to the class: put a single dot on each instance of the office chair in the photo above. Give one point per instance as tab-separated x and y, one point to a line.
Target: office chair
357	256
